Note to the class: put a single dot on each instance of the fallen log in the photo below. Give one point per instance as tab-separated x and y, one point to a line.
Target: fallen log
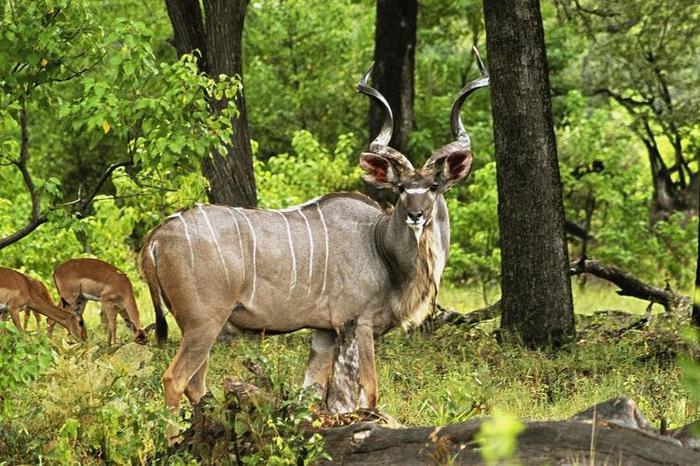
562	442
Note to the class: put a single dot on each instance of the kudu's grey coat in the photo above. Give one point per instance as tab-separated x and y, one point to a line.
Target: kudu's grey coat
318	265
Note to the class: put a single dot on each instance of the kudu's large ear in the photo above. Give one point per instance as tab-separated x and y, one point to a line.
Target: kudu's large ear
380	172
450	165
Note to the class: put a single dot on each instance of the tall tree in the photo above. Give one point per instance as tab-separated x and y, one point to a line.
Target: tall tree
215	29
394	60
536	290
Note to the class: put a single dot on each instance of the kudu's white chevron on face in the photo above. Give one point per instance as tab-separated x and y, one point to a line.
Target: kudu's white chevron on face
378	269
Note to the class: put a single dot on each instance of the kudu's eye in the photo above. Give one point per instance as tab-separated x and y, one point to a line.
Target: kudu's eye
81	323
401	188
434	187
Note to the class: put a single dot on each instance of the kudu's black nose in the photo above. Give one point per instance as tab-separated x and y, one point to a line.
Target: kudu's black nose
415	215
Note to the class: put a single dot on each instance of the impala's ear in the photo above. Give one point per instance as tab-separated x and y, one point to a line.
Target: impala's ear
380	172
449	167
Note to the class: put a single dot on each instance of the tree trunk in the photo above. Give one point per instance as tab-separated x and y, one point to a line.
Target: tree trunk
536	290
219	39
696	293
394	52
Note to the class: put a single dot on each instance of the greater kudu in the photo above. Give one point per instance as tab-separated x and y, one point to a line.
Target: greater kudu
317	265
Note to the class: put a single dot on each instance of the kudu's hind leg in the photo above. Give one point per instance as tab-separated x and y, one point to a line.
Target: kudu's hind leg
190	359
318	371
197	387
368	375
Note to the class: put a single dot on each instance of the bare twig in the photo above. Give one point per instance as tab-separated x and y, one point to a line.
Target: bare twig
443	316
85	203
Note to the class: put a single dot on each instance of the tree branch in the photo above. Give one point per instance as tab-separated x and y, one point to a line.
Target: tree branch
83	204
631	286
443	316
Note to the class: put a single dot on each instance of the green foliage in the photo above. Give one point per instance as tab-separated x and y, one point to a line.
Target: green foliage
90	404
311	171
306	57
475	255
271	423
498	437
622	195
461	401
23	358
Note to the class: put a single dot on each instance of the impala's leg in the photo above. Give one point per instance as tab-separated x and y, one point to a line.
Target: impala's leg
49	326
14	313
368	375
110	314
37	317
318	371
27	315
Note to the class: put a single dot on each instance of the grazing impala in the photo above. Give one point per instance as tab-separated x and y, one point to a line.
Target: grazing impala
19	292
318	265
81	280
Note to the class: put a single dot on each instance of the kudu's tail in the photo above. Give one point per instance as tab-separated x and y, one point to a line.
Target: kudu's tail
149	269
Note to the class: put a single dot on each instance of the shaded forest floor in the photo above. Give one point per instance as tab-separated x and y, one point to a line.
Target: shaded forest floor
450	375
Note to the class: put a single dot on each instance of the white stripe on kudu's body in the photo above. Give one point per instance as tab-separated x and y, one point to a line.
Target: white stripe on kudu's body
325	236
216	242
187	235
291	252
311	251
240	239
255	254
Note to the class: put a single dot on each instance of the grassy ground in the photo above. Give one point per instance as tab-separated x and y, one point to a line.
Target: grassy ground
425	379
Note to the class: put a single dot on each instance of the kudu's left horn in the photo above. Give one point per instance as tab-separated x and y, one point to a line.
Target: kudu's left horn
458	131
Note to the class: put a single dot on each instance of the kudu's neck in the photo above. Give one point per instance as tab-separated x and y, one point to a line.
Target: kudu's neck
402	251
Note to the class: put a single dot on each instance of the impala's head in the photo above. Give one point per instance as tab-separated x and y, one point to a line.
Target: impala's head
76	326
418	189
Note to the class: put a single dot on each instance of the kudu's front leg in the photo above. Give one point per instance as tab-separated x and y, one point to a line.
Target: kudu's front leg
323	349
368	374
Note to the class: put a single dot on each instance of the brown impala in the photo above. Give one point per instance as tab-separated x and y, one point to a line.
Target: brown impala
81	280
317	265
20	292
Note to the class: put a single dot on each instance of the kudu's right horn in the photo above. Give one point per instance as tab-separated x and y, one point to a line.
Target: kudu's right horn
380	144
